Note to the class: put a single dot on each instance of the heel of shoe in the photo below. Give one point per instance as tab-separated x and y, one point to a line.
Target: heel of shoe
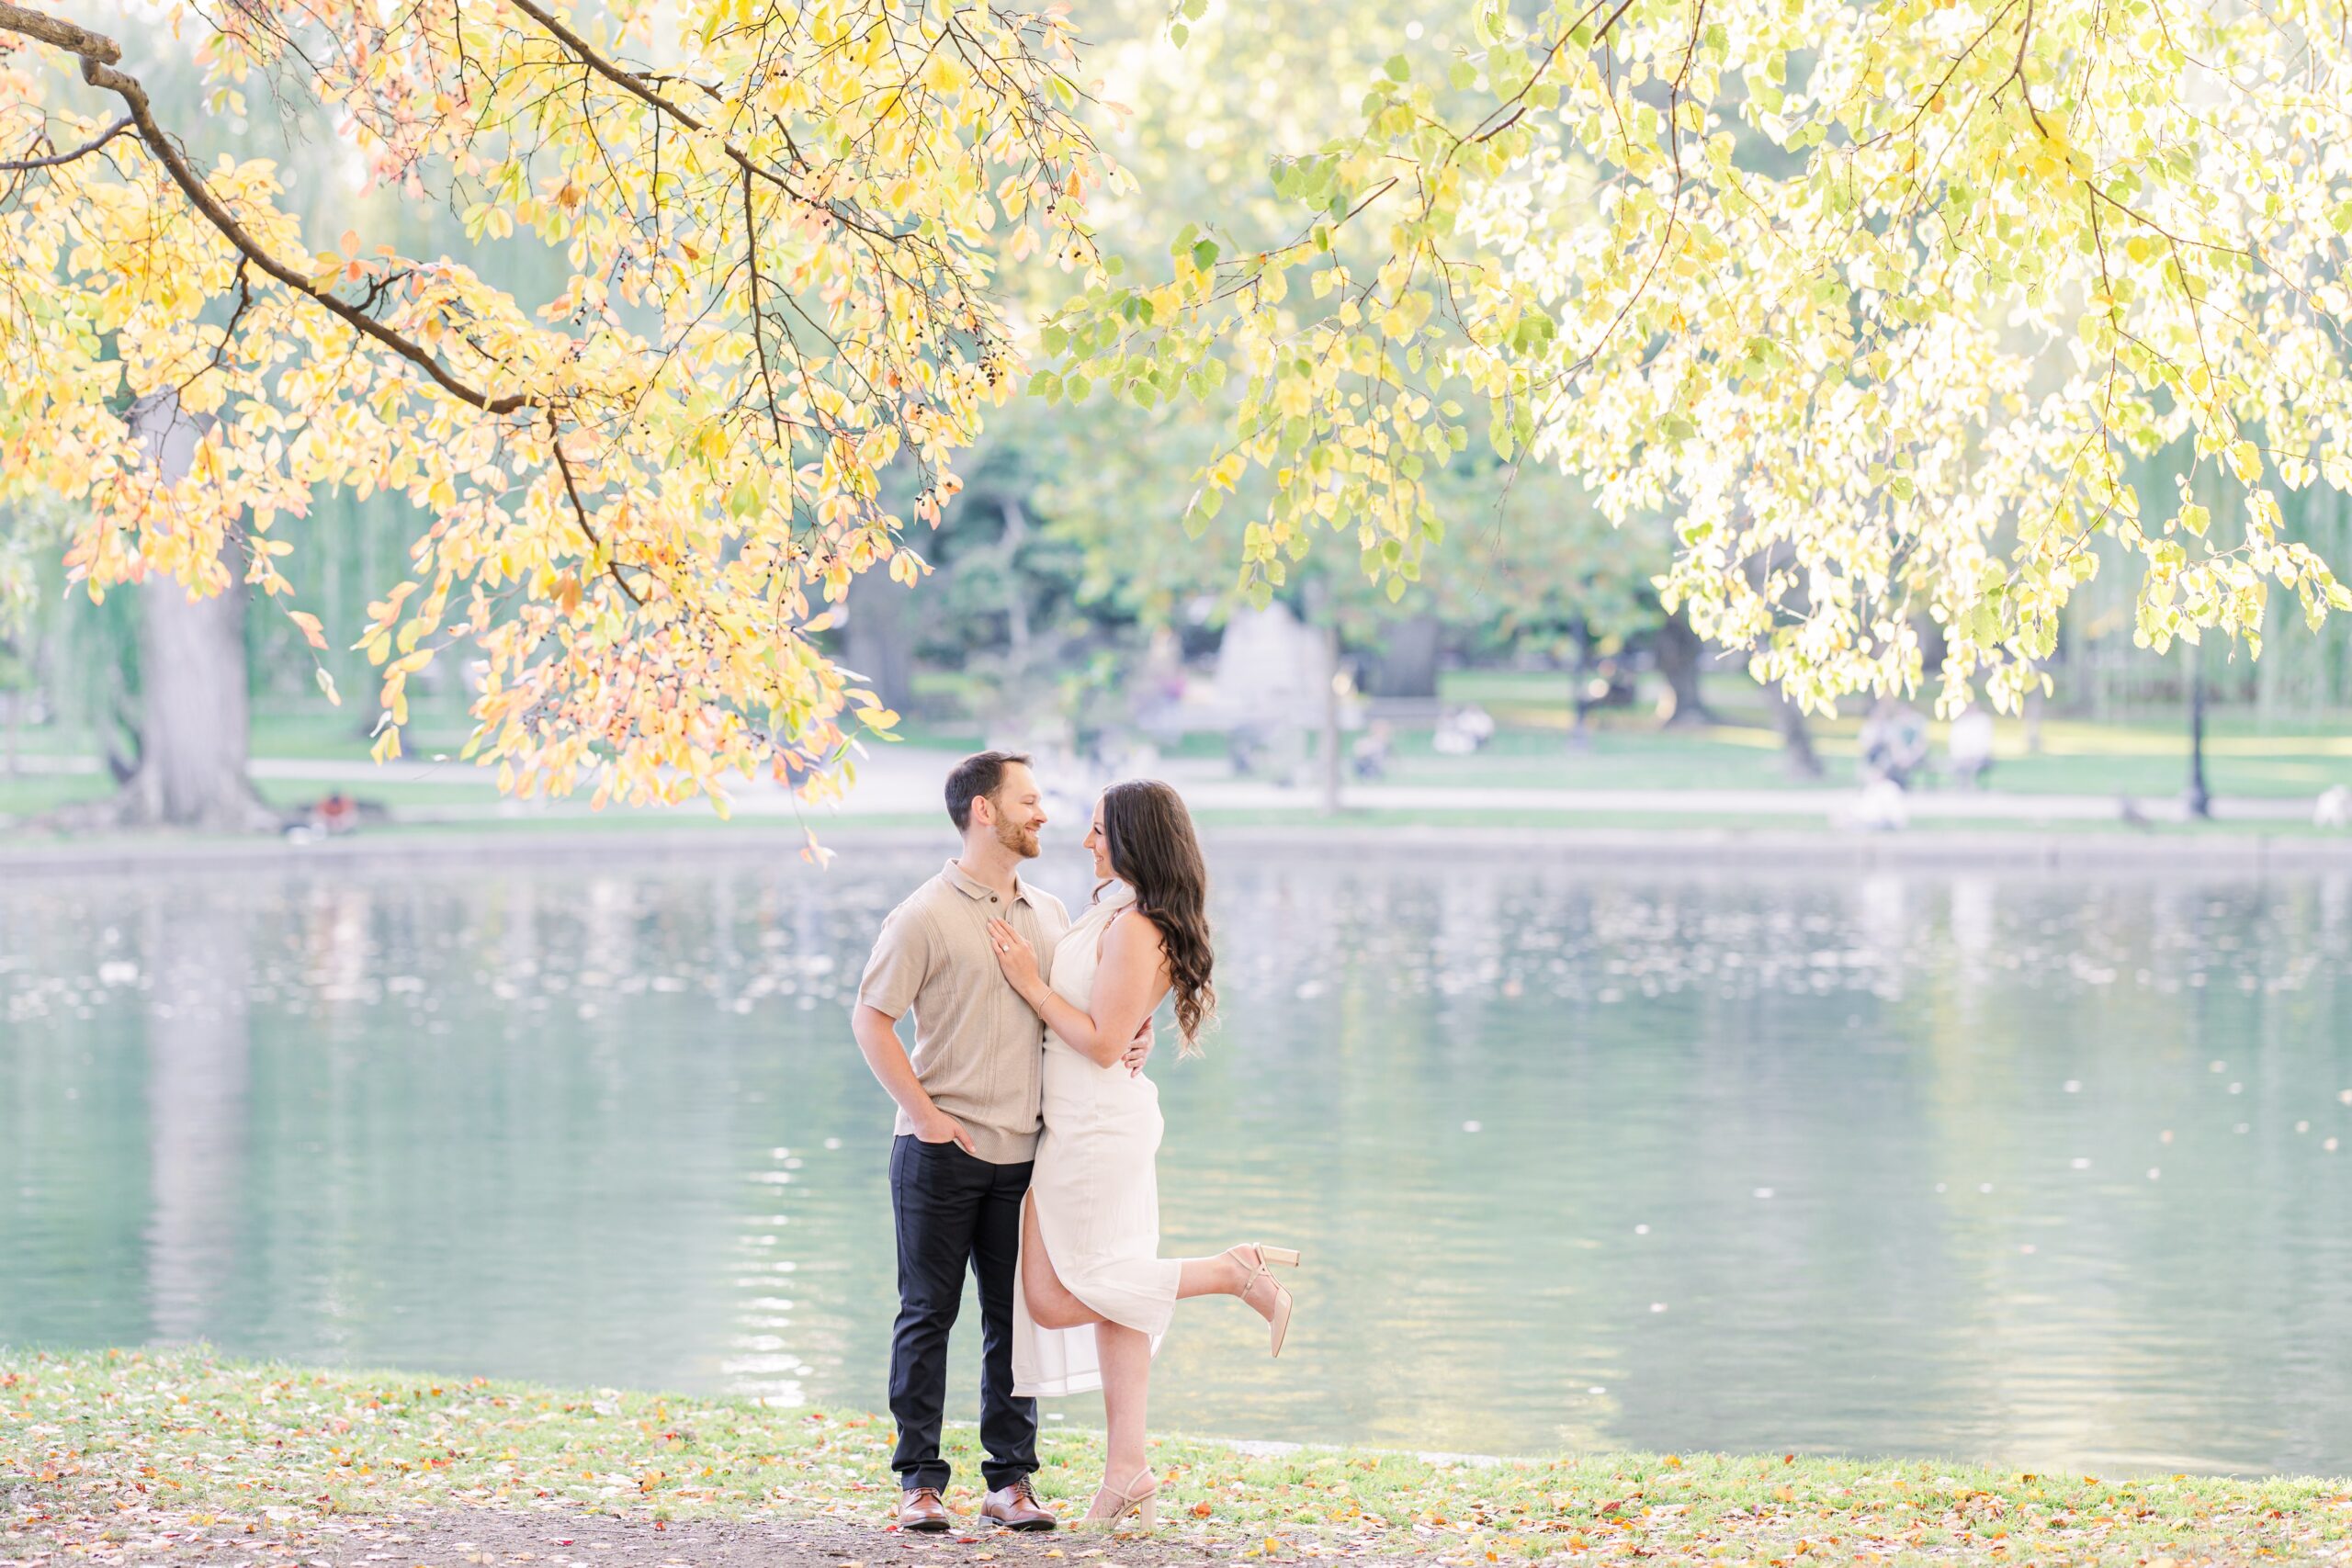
1147	1512
1285	1256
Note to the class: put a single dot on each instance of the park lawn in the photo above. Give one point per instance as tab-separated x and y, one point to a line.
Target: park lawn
28	793
100	1447
1620	751
343	734
1624	750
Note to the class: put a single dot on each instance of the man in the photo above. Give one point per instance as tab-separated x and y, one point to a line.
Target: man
967	1129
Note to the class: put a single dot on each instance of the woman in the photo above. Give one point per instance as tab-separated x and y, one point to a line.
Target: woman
1095	1295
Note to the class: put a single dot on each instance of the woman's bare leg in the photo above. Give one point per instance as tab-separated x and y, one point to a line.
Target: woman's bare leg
1223	1275
1051	1304
1229	1273
1125	1356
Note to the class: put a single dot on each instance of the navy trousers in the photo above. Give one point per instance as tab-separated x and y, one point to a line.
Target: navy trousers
955	1211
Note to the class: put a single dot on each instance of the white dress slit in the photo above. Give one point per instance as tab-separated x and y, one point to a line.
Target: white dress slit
1095	1191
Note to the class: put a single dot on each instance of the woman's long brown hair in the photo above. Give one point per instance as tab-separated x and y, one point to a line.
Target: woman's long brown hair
1149	836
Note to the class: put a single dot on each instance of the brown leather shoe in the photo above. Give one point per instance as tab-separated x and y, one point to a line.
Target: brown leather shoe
1016	1508
920	1509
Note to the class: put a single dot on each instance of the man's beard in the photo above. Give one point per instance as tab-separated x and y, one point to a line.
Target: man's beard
1021	840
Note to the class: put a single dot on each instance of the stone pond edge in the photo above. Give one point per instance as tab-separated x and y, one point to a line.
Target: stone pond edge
1681	849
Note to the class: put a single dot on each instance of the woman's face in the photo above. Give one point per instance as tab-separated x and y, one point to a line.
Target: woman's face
1098	846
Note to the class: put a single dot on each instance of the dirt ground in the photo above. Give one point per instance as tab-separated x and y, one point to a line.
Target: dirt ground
507	1538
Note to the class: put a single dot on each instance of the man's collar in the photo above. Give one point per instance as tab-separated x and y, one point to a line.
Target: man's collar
964	882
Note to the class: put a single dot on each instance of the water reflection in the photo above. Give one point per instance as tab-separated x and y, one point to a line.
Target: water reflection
199	1051
1997	1165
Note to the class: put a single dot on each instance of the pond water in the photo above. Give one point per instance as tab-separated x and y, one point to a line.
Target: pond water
2044	1171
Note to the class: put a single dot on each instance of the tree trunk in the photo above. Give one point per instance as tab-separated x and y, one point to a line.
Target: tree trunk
1016	589
1787	718
1795	736
194	722
1330	759
22	682
1579	672
2198	798
879	641
1680	653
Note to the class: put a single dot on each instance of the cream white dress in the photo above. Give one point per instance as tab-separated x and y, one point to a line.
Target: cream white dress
1095	1188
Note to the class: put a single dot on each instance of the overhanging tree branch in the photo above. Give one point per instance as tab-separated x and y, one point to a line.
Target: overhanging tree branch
99	54
640	87
579	512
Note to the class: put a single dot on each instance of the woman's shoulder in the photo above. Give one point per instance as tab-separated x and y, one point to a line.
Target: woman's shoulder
1132	928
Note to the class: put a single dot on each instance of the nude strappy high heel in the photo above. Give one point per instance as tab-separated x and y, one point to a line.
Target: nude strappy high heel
1141	1499
1277	1320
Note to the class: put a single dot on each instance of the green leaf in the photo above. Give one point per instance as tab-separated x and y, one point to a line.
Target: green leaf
1399	69
1204	254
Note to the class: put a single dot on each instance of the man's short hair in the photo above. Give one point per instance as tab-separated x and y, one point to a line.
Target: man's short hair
974	776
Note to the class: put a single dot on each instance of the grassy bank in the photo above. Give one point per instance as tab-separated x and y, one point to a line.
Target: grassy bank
106	1454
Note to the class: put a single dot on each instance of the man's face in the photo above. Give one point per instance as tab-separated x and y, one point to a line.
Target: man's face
1018	811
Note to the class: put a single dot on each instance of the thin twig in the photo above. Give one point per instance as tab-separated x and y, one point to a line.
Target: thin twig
15	165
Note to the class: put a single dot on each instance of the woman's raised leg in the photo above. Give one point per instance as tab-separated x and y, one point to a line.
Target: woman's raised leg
1241	1271
1229	1273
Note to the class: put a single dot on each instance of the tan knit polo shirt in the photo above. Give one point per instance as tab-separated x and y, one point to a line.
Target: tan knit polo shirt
977	1046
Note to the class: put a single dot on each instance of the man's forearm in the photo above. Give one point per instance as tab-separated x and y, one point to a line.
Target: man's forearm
877	1041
